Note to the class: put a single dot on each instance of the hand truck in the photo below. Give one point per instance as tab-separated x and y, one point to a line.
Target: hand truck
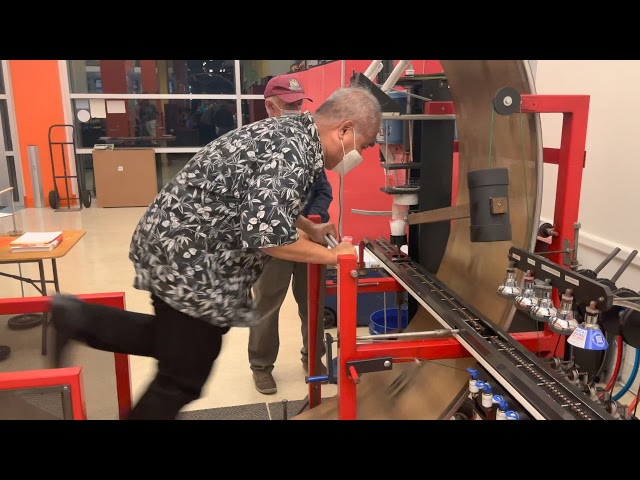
84	196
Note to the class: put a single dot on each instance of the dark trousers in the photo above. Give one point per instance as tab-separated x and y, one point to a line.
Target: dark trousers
185	347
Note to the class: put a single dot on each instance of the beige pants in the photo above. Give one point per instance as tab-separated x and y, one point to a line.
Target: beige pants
270	291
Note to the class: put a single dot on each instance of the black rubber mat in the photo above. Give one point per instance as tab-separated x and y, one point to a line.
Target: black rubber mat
294	408
254	411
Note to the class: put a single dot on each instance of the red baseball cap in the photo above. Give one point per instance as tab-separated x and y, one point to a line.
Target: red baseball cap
285	87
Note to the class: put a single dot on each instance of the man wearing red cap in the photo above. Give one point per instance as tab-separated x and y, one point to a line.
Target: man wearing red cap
284	95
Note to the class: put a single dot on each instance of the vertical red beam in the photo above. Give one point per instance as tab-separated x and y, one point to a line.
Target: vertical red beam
313	300
78	405
149	76
571	160
114	75
575	110
347	326
150	84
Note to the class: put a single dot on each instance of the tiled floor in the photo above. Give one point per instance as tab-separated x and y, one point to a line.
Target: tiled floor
99	263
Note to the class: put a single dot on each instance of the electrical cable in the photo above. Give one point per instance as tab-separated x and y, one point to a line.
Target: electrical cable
491	134
632	377
634	404
616	368
555	350
430	361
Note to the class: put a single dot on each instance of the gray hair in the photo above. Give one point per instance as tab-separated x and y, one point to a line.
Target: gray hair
353	103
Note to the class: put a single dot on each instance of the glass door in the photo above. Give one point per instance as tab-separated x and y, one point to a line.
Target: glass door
10	169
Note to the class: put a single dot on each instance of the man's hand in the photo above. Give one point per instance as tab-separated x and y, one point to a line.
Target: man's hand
317	231
344	248
302	234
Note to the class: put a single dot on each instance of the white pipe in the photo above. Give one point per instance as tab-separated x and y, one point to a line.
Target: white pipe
373	69
395	75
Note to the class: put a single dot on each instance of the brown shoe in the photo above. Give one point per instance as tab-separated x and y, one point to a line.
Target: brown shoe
264	382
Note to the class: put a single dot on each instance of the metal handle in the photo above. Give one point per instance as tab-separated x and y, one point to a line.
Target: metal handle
375	213
442	332
624	266
331	241
606	261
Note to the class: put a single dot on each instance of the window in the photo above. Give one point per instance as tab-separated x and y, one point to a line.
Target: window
173	106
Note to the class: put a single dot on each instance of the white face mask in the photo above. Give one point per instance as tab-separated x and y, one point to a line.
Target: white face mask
349	160
287	112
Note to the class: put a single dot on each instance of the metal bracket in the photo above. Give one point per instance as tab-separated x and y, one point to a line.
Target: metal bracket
371	365
499	205
566	256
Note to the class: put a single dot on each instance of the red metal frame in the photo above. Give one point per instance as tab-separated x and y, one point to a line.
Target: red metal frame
54	377
10	306
570	158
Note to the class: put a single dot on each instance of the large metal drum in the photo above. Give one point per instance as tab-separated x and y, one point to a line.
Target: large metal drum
472	270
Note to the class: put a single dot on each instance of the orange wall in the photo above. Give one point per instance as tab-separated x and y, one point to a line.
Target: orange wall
38	108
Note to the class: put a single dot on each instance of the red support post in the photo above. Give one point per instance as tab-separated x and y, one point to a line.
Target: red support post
347	325
570	159
313	301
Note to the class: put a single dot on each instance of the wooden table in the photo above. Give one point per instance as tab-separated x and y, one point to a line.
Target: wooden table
69	240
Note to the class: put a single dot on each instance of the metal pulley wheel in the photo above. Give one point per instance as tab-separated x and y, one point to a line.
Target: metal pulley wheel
507	101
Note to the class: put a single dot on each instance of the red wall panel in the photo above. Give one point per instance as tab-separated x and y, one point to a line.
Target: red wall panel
361	187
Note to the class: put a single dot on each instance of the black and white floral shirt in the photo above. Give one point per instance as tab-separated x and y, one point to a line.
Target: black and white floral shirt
197	245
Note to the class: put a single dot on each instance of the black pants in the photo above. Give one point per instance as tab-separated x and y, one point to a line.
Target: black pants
185	347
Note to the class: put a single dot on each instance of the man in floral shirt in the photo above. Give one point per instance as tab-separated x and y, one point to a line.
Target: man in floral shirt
203	241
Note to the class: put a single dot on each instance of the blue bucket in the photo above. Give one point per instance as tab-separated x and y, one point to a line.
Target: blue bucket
376	322
393	130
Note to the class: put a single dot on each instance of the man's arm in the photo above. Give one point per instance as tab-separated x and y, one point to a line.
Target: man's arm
321	197
306	251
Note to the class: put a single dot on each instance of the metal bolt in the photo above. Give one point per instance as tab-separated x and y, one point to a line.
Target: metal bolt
354	273
387	364
507	101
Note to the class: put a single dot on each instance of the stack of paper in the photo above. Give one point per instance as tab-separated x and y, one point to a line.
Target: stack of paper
36	242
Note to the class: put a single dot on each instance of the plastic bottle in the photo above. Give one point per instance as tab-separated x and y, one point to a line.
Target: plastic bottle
484	405
501	412
473	388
